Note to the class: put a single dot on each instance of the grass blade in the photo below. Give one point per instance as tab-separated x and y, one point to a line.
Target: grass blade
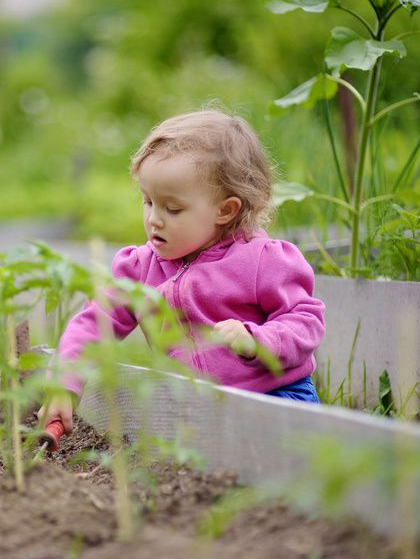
407	167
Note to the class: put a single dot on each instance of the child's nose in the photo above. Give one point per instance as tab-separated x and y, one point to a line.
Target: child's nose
154	218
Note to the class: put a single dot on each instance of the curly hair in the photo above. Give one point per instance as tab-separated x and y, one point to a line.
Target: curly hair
226	152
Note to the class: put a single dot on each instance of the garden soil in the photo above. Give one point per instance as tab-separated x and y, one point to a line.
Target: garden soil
67	512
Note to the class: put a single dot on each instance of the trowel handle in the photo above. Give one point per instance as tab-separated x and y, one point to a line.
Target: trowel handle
52	434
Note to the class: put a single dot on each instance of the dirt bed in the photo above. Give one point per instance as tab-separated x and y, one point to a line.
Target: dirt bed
67	511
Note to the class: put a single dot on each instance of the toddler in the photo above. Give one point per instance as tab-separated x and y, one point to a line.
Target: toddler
206	188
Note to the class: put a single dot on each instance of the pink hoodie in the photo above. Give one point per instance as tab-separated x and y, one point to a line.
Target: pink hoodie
266	284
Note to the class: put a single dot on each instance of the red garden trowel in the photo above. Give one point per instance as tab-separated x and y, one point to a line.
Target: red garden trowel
50	438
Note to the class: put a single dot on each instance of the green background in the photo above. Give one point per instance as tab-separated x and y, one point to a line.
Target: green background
82	84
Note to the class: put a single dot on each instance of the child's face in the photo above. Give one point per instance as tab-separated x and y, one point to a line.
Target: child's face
181	217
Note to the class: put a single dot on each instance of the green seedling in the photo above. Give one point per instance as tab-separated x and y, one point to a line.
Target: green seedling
385	405
399	241
162	328
324	391
224	511
364	385
32	270
12	383
350	366
327	474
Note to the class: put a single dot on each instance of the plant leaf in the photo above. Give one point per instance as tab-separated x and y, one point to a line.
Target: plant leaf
386	401
51	301
284	6
29	361
307	94
347	49
286	191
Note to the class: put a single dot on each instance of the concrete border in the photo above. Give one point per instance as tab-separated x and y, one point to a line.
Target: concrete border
388	339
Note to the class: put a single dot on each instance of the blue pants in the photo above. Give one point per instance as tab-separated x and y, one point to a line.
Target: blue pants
303	390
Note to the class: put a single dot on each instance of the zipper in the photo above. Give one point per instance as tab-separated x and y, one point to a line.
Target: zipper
178	302
181	270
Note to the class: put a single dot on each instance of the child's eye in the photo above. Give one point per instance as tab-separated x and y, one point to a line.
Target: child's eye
173	211
147	203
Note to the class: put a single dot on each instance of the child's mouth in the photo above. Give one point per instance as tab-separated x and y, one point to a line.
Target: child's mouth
157	241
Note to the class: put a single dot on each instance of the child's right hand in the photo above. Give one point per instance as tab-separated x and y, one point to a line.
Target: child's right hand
60	407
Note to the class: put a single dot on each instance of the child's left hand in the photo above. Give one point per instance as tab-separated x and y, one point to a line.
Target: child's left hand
237	337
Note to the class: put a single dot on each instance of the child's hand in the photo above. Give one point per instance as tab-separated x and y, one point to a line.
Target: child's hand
59	407
237	337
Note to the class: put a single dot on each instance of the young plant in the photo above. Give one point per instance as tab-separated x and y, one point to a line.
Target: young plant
44	273
11	375
399	243
15	392
162	328
350	50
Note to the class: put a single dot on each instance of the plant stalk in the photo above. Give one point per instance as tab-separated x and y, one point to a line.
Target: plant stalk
109	381
343	186
14	385
352	90
58	324
120	472
358	17
387	17
390	108
7	454
372	89
407	167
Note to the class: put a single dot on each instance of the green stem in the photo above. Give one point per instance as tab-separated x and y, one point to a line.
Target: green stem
125	521
358	17
390	108
404	261
406	169
351	88
350	366
329	381
375	200
119	469
13	364
387	17
374	8
343	187
372	89
364	385
334	266
17	447
58	323
7	455
334	200
378	175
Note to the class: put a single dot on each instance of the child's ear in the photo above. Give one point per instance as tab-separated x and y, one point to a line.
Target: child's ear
228	210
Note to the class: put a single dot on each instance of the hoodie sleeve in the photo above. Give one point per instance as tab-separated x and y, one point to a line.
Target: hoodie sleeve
83	328
294	323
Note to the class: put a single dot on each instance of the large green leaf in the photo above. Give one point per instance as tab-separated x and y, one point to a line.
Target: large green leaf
347	49
307	94
284	6
286	191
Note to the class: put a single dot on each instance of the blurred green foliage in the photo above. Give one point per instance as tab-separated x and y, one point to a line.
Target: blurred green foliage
81	85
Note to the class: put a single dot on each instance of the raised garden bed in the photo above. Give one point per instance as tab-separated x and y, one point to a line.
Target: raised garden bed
263	439
64	514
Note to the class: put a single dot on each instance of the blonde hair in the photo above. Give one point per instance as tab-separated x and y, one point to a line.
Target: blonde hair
227	150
